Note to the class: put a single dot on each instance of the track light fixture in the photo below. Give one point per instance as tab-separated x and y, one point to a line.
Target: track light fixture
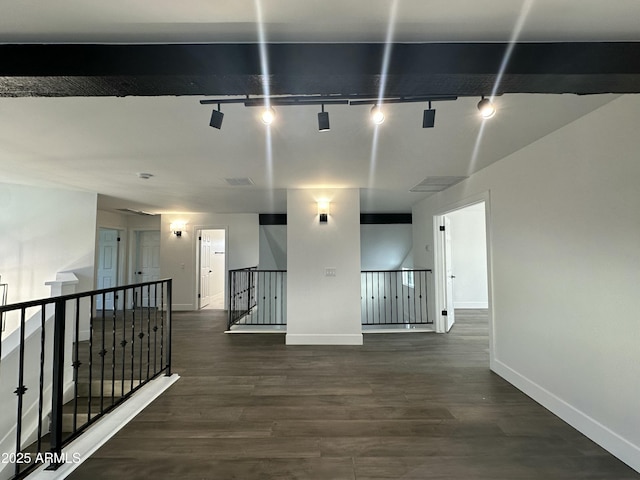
486	107
377	115
429	118
216	118
268	116
323	120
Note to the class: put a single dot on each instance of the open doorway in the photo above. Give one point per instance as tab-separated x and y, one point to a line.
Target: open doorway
211	268
461	265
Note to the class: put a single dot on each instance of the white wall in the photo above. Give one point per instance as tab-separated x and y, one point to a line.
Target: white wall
382	246
178	254
273	247
565	261
386	247
45	231
469	257
323	309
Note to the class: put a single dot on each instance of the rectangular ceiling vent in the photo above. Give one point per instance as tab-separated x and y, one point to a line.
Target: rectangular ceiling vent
239	182
136	212
436	184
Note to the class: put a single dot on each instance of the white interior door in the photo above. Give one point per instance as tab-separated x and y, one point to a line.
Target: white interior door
218	262
449	276
148	265
205	268
108	254
211	271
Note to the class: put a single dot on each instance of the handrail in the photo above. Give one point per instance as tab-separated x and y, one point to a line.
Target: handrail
95	349
71	296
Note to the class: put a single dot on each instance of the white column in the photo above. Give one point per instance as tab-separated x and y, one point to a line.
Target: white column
323	268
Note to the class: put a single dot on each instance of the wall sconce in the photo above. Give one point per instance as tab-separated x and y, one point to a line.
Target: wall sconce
323	211
177	228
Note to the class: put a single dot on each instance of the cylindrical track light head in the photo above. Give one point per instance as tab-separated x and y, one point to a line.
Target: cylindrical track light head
268	116
216	119
429	118
323	121
377	116
486	107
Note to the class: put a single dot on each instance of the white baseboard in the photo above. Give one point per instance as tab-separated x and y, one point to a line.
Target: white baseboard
599	433
324	339
473	305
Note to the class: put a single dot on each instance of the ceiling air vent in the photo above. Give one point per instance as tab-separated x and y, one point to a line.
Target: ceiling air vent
436	184
239	182
136	212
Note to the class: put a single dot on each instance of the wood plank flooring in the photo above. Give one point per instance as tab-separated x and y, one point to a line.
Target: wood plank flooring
403	406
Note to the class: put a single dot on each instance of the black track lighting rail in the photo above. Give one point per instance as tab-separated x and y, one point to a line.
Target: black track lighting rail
326	100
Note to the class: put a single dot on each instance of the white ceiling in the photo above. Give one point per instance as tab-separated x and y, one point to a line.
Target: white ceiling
100	144
125	21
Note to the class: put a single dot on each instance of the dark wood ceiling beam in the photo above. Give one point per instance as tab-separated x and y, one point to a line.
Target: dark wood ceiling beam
353	69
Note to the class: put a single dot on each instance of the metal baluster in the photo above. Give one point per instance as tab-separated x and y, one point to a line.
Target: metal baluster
415	313
141	336
113	352
282	298
102	353
91	324
169	324
58	380
155	328
76	364
43	332
162	287
148	330
133	334
20	391
124	342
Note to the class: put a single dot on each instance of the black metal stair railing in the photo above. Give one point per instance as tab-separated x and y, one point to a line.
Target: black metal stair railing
395	297
257	297
78	357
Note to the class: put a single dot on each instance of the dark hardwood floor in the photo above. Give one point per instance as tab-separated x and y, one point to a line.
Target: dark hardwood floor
403	406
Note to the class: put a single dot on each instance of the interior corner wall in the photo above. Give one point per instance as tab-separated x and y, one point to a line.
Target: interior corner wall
45	231
564	236
323	309
273	247
469	257
385	246
178	254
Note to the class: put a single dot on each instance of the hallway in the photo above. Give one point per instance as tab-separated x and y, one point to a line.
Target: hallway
410	406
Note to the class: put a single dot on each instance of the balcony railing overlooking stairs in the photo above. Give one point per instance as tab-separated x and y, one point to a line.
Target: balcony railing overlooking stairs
388	297
72	359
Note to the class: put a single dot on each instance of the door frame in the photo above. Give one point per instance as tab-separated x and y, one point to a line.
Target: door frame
438	273
196	238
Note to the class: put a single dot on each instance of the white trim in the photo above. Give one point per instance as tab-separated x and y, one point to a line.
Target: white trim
105	428
324	339
599	433
197	229
474	305
467	202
